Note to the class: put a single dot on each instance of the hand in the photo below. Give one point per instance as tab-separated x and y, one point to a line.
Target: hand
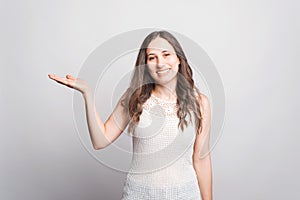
72	82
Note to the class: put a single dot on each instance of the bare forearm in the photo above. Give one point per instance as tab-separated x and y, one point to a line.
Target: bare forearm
204	174
95	125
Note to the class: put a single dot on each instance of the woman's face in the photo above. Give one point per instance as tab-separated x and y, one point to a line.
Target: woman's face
162	61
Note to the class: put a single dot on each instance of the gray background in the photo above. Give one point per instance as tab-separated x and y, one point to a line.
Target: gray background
253	44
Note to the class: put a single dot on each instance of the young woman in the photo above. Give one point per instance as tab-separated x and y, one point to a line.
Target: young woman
165	112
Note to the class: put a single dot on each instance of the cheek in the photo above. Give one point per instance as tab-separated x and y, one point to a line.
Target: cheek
174	61
151	68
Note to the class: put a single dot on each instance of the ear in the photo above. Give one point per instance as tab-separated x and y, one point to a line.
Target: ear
179	60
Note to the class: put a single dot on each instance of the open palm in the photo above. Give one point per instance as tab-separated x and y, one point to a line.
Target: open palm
72	82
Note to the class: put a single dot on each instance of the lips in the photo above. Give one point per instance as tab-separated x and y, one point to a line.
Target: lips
163	71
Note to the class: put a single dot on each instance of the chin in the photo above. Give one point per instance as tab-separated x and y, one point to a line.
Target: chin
165	81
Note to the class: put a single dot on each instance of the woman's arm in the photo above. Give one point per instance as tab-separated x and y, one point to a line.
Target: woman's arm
101	134
201	156
104	134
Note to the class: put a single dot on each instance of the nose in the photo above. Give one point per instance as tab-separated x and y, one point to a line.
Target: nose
160	61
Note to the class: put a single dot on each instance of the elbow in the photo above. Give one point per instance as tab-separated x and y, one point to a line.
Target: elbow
201	160
100	143
98	147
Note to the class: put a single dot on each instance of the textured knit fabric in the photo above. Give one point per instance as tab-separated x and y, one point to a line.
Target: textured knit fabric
162	166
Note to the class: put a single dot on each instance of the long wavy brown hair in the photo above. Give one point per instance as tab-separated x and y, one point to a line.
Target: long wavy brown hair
142	84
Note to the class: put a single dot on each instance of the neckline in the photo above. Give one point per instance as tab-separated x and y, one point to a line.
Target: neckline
162	100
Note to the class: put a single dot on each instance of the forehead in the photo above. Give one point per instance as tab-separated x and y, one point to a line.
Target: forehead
159	44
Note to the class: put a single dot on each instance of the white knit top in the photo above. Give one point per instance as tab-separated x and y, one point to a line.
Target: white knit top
162	166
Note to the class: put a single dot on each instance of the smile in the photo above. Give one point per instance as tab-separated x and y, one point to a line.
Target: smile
163	71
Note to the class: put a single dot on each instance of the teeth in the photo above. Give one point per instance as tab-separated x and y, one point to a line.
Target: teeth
163	71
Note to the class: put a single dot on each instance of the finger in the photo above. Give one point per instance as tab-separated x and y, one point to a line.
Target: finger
61	80
51	75
54	77
68	76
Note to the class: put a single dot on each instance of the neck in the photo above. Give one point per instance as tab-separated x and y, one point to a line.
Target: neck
166	92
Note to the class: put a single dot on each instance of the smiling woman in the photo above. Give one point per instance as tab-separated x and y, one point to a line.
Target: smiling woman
169	119
163	62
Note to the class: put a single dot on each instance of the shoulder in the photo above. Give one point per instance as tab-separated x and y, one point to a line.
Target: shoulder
203	100
205	105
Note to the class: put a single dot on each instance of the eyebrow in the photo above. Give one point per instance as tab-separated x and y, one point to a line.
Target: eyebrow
154	54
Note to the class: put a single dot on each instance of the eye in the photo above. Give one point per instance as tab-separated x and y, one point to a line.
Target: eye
166	54
150	58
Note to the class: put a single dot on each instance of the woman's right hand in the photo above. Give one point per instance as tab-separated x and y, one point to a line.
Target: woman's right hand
72	82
